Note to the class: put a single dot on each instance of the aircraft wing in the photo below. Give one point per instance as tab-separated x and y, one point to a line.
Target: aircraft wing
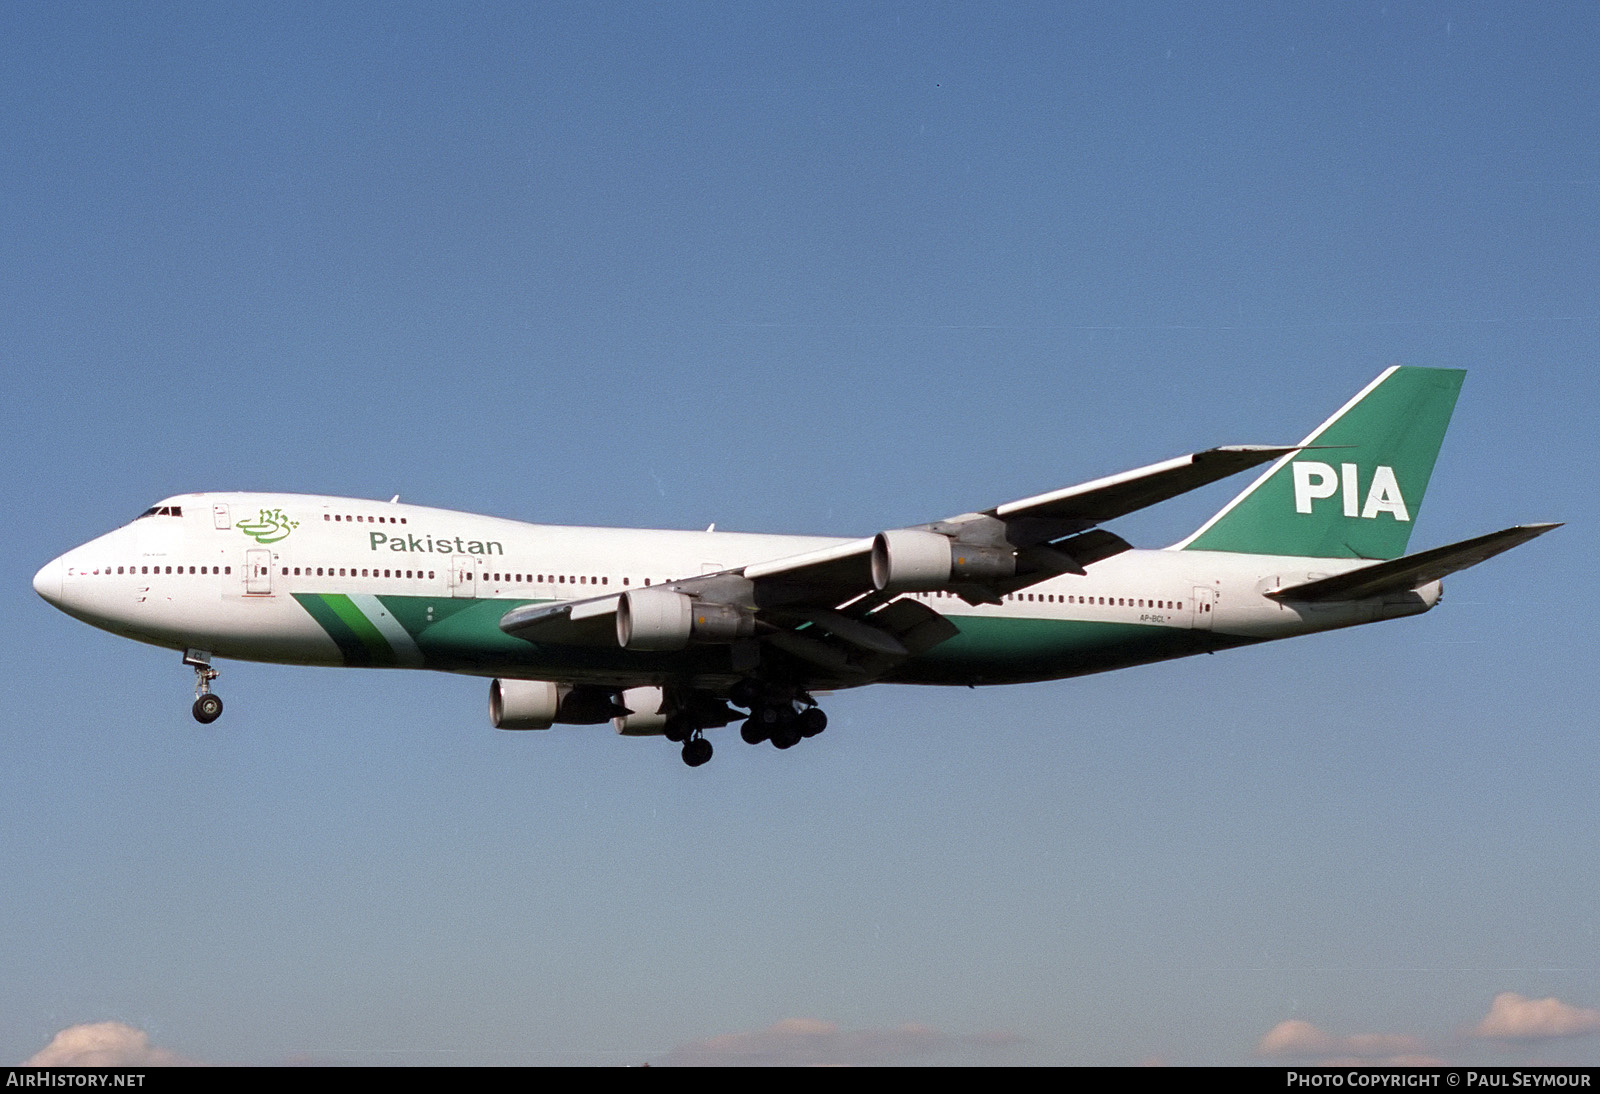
1411	571
1058	519
839	609
591	622
1118	495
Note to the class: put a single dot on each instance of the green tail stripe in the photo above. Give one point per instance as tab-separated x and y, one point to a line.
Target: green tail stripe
1357	493
358	640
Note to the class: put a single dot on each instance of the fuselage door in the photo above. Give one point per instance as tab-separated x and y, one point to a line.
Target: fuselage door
1205	601
463	576
258	572
219	516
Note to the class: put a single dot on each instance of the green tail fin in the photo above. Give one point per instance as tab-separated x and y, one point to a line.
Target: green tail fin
1357	492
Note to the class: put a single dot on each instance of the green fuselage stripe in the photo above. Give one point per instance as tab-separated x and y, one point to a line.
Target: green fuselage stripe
358	640
464	635
369	635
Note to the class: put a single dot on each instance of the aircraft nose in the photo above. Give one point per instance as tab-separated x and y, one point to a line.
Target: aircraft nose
47	582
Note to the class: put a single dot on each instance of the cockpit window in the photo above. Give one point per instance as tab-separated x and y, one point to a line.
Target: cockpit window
161	511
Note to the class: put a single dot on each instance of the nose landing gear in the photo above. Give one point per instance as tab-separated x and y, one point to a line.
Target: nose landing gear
207	707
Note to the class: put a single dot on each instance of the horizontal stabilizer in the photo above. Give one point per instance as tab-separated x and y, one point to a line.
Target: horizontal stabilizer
1411	571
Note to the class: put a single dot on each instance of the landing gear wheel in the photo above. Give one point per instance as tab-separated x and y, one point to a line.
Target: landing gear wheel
677	730
753	731
207	707
696	752
746	693
811	721
786	737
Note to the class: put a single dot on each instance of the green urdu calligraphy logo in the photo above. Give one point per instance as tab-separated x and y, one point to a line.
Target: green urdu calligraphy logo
269	527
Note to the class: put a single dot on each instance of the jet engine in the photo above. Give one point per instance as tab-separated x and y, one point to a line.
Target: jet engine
645	714
663	619
907	560
523	704
539	704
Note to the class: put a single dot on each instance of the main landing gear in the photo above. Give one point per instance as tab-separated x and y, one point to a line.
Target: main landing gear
696	751
782	724
782	714
207	707
687	727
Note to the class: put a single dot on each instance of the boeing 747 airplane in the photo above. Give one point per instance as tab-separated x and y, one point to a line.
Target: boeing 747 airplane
674	633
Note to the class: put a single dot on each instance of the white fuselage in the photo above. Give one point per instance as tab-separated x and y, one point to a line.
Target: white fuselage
316	580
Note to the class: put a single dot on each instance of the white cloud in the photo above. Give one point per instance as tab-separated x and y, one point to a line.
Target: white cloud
809	1041
104	1044
1296	1037
1514	1017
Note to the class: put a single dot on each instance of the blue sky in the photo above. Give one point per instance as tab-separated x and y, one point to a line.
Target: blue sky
823	269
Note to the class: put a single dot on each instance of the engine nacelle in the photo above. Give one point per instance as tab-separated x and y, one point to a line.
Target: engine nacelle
910	561
539	704
981	564
523	704
646	714
907	561
664	619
